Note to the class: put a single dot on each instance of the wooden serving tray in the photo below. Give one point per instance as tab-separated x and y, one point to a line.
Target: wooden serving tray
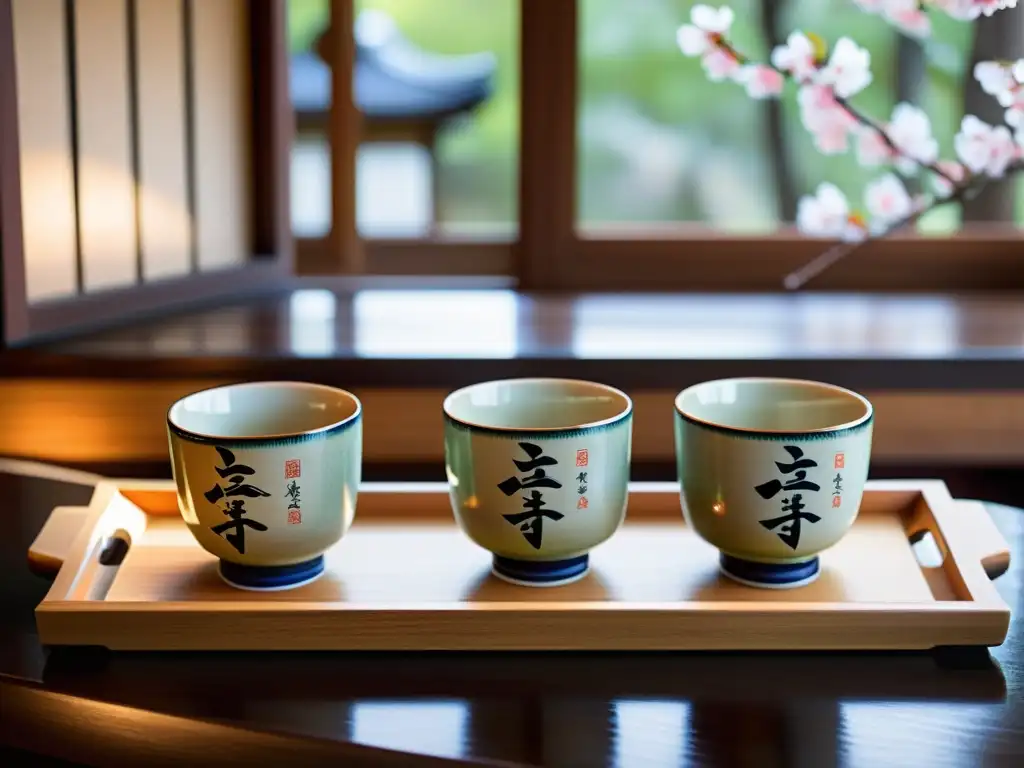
405	578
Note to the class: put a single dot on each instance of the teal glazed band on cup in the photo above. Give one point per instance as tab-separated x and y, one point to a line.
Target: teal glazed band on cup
538	472
771	472
267	476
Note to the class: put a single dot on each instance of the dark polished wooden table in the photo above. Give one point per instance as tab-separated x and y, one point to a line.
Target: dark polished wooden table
956	707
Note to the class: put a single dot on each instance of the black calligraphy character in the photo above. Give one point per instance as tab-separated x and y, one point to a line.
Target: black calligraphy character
838	483
799	466
581	478
292	492
539	478
234	529
790	534
531	519
235	474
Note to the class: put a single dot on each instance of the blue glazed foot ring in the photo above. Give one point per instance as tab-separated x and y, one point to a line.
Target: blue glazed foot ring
271	578
770	575
541	573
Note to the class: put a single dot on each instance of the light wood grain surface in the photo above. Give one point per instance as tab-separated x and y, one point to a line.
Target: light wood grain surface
406	578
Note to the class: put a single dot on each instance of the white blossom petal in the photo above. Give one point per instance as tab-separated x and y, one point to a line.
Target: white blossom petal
887	200
692	41
994	77
984	148
720	65
911	131
1018	71
909	16
824	214
848	70
760	81
711	19
797	56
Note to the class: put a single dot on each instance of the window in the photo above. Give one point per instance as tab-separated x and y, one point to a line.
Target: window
634	171
433	141
141	158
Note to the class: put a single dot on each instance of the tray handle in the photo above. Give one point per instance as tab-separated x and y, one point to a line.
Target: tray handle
988	543
51	546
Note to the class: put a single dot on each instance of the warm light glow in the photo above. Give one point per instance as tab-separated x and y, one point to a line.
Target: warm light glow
165	231
48	224
106	216
44	134
718	508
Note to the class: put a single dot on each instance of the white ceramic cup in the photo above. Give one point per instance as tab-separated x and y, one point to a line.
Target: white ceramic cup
267	475
771	472
538	471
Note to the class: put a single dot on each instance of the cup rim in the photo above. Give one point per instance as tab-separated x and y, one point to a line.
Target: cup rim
624	414
205	437
861	421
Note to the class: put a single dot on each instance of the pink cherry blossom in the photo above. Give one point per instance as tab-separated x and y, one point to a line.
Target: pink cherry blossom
909	16
984	148
910	141
1015	111
872	6
995	78
797	57
887	201
705	31
824	214
969	10
911	132
825	119
872	148
704	36
761	81
848	70
720	65
989	7
952	170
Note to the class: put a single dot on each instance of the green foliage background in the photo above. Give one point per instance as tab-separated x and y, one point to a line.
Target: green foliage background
631	67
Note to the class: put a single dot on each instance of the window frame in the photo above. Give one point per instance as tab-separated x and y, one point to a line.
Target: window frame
551	253
272	258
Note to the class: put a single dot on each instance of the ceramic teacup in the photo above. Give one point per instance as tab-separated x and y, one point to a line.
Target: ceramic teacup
771	472
538	471
267	475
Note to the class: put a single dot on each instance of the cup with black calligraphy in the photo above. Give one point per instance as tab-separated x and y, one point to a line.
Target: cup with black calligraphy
538	471
771	472
267	475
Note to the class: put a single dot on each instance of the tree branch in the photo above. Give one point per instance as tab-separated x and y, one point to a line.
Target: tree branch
962	192
852	111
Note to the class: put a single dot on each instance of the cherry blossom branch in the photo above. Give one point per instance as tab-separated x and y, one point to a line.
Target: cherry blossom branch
828	78
798	278
868	122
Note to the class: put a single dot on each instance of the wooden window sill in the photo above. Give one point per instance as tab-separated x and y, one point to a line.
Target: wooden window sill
944	372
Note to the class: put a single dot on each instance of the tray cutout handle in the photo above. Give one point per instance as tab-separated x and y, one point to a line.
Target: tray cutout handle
52	544
991	547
